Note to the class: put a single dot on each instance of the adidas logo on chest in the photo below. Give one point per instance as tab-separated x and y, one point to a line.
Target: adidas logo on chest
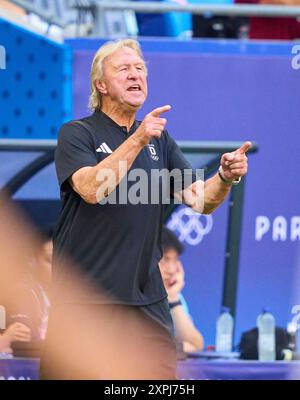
104	148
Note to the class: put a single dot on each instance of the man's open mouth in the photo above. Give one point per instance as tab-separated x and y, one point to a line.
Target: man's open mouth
134	88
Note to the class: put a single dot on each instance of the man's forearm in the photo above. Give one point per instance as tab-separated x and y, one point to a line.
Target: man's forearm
205	197
108	173
93	184
215	192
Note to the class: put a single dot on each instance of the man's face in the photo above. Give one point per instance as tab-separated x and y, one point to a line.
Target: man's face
169	265
124	79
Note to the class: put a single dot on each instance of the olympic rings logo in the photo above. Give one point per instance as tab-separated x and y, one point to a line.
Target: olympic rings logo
191	227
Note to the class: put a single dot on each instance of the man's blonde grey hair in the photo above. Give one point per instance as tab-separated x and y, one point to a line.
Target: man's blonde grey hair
95	100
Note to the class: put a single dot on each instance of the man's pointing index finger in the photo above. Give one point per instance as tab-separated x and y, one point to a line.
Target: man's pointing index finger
158	111
244	148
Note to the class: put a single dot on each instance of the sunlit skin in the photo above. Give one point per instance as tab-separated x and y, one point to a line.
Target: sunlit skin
123	85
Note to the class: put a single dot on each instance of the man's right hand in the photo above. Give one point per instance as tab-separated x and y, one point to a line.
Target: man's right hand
152	125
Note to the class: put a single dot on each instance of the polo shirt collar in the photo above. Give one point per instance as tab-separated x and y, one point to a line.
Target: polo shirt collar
133	128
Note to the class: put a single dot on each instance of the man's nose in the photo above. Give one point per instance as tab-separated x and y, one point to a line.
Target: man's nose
133	74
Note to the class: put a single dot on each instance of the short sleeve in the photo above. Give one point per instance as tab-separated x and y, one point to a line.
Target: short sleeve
75	149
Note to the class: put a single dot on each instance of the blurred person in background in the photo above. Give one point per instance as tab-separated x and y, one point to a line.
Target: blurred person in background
173	277
15	332
275	28
114	248
29	300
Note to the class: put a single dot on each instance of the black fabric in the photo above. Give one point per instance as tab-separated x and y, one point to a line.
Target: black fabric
115	247
248	344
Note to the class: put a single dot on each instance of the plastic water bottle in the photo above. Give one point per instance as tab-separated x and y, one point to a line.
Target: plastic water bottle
266	336
224	331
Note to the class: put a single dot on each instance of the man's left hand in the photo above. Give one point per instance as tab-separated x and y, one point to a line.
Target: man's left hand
235	164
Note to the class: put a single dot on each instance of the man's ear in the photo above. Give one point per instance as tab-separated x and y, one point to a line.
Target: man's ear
101	86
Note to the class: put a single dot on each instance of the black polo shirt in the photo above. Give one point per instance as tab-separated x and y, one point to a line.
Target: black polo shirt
114	247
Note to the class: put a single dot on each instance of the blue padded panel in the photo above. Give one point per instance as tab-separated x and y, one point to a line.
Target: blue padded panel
35	87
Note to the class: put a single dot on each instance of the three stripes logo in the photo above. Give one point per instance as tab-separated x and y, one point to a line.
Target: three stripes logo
103	148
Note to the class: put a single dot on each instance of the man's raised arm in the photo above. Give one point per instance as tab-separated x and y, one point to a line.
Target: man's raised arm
205	197
93	184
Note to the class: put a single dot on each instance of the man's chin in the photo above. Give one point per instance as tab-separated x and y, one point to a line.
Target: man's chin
135	106
136	102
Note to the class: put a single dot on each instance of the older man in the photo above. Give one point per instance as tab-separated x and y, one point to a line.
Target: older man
115	245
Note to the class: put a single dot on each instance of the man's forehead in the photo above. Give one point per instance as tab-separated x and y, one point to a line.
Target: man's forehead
123	55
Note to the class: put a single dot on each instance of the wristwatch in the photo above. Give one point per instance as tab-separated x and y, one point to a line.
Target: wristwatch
174	304
228	182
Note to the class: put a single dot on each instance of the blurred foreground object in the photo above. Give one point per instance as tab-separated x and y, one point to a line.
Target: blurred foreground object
94	342
16	332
